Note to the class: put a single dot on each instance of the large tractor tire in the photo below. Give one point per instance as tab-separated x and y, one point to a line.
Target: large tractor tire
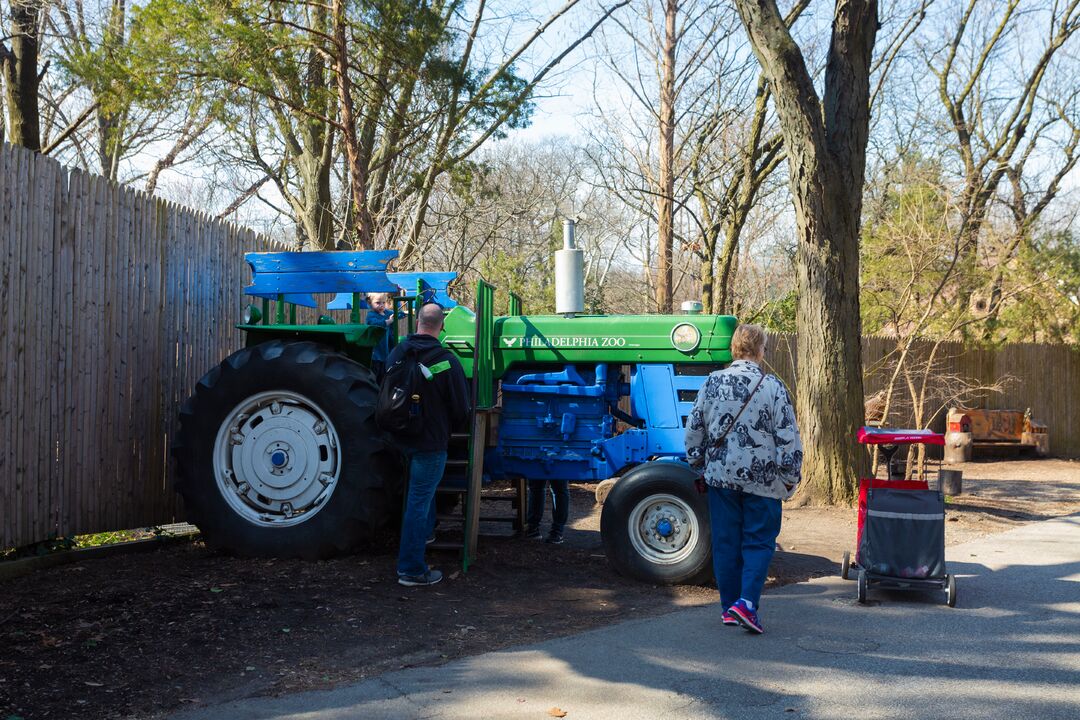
655	526
279	454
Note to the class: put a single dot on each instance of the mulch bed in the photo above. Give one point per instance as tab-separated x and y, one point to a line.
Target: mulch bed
140	635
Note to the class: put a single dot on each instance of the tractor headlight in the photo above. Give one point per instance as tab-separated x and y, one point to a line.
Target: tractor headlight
685	337
251	315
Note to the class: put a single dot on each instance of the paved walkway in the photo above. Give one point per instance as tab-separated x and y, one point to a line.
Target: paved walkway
1011	649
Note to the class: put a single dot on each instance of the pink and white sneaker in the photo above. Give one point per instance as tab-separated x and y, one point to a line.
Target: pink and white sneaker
746	617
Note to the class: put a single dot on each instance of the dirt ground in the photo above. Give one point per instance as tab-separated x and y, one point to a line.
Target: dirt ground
136	636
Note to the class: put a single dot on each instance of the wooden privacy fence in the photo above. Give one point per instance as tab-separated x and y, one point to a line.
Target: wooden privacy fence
114	304
1045	378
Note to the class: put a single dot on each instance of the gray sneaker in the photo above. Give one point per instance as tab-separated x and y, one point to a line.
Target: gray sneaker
429	578
531	533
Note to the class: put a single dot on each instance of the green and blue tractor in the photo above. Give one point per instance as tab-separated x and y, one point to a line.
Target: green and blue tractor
279	453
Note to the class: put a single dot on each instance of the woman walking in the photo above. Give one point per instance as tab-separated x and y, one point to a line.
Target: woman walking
741	436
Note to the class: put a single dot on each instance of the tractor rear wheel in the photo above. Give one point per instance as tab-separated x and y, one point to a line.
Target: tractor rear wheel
655	526
279	454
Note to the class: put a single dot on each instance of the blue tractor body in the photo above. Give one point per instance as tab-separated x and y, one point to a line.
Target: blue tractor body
563	425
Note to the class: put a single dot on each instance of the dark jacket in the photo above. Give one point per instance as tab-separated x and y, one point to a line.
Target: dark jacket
446	406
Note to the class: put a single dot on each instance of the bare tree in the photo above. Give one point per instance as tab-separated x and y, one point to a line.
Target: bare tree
928	389
911	261
952	219
666	58
730	165
666	172
826	150
500	96
502	220
725	200
19	64
991	72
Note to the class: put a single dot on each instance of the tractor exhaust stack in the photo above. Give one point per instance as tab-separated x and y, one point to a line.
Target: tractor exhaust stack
569	274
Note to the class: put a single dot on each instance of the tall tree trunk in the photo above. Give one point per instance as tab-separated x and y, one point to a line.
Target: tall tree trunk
109	129
358	169
707	293
826	149
20	65
373	111
309	140
388	145
707	254
314	166
665	196
725	296
110	123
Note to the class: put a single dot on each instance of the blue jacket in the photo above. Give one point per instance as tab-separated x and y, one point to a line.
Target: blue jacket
380	352
762	454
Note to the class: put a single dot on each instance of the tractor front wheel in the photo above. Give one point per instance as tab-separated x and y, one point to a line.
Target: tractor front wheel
279	454
655	526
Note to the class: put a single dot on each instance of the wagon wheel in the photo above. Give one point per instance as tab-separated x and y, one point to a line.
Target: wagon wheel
950	590
845	566
863	583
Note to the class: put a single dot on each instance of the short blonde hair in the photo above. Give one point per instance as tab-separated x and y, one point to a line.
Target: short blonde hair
376	297
747	342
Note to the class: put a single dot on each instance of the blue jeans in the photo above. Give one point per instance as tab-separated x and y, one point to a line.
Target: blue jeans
744	530
425	472
560	503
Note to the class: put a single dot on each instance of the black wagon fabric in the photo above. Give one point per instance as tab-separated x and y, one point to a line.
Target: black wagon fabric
904	535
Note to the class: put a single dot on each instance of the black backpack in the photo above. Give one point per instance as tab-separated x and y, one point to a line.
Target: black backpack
397	411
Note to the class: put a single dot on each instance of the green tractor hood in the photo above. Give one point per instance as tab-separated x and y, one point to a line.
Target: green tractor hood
531	339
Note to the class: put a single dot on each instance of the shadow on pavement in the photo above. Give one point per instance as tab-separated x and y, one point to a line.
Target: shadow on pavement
1009	649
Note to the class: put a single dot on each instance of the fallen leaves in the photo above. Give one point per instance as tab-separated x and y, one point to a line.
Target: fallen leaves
47	640
557	712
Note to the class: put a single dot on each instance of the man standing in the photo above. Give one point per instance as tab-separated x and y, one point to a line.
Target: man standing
444	406
741	435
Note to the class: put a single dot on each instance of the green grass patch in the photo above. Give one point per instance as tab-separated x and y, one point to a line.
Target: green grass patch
75	542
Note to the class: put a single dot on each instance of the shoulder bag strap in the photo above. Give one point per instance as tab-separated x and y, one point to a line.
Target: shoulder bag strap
433	355
739	414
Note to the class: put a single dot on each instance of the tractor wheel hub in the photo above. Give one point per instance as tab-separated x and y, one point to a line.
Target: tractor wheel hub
663	529
277	458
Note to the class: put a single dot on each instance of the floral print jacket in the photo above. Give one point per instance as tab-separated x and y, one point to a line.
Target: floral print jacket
762	454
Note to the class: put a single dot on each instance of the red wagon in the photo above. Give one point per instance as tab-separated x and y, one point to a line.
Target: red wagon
901	529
